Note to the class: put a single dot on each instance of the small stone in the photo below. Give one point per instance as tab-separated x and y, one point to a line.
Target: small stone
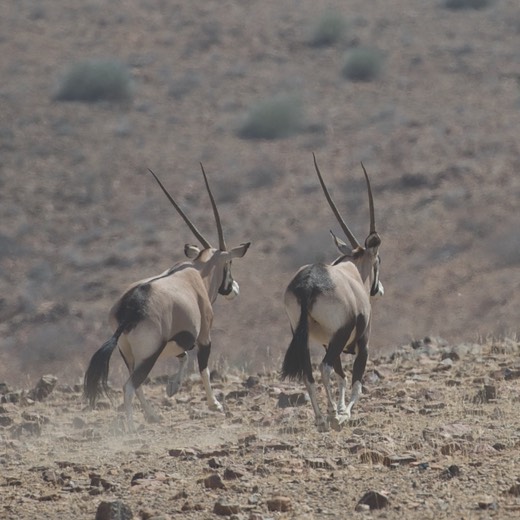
486	502
251	381
374	500
292	400
279	503
43	388
233	473
214	481
372	457
514	490
224	508
116	510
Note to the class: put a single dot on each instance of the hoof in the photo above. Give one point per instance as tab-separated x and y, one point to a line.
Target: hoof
172	388
338	422
216	407
323	426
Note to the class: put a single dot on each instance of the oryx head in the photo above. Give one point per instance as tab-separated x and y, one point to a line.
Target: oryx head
366	258
213	263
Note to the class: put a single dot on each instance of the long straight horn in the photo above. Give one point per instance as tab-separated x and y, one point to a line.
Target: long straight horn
221	241
194	230
370	202
352	239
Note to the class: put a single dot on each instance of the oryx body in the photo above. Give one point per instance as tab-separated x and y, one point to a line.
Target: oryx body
169	313
330	304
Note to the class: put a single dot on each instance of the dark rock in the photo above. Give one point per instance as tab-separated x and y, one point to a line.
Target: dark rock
320	463
251	381
233	474
43	388
116	510
374	500
279	503
292	400
214	481
224	508
450	472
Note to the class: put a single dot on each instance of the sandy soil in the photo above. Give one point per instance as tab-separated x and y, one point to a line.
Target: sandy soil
436	434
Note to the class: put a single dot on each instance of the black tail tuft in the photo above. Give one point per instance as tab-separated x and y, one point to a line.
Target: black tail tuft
97	371
297	361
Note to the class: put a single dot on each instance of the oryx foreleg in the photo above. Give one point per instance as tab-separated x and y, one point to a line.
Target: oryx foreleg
202	358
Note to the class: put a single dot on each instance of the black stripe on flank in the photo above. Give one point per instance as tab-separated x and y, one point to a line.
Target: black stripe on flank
310	282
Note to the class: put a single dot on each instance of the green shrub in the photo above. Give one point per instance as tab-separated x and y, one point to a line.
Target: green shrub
95	80
275	118
466	4
329	29
362	64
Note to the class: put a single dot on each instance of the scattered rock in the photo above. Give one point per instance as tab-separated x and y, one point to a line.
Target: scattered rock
43	388
514	490
486	394
292	400
487	502
279	503
374	500
450	472
116	510
214	481
320	463
224	508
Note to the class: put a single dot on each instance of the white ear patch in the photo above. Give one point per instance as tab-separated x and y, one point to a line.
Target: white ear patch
380	289
235	291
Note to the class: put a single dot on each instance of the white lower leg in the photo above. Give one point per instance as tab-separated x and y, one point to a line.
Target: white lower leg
326	371
321	421
148	411
342	388
210	396
356	393
128	393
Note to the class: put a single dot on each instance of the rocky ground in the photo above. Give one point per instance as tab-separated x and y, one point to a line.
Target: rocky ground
435	435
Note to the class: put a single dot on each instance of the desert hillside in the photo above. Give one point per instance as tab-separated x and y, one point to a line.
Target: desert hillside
434	117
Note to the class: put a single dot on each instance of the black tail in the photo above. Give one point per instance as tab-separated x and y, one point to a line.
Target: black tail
297	361
97	371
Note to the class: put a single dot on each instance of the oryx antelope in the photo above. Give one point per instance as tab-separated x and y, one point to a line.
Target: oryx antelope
331	305
171	313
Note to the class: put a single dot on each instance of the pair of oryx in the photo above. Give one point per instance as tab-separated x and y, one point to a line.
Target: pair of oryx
172	312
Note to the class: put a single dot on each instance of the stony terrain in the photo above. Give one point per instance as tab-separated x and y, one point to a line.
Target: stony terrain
436	435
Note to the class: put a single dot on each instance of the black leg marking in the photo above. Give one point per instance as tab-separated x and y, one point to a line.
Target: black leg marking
337	344
338	367
185	339
141	371
203	356
361	359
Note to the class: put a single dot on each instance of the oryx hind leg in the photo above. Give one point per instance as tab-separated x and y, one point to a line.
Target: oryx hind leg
139	373
331	361
202	358
321	421
179	344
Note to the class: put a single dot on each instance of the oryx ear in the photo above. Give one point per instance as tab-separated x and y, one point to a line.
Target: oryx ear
240	251
191	251
342	246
